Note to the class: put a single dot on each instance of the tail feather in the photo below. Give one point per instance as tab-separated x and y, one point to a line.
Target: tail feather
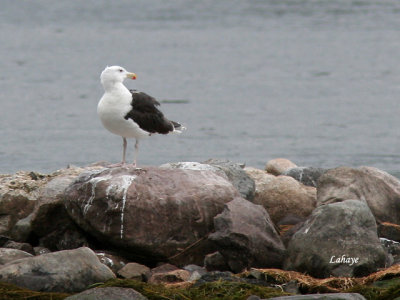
178	128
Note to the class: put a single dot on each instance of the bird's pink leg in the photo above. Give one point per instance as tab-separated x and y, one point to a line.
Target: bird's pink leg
124	144
136	152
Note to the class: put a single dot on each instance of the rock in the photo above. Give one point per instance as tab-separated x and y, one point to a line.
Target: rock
8	255
329	242
19	246
64	271
111	260
41	250
215	262
237	176
306	175
393	248
135	271
22	229
389	231
253	297
168	274
278	166
136	205
50	220
108	293
195	272
378	189
18	195
332	296
246	237
282	195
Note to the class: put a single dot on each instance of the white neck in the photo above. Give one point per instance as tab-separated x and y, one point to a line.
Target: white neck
110	86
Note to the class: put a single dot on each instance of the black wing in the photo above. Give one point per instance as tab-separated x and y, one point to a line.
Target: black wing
145	113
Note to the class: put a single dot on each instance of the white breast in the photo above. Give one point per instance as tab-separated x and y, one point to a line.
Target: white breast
112	109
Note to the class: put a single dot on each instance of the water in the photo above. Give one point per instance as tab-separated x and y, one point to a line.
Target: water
317	82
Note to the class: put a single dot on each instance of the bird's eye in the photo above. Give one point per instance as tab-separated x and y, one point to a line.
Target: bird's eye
121	70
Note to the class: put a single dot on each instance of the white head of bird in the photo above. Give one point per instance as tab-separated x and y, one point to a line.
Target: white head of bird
114	75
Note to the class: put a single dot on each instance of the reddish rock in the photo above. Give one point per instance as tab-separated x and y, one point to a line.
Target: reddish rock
166	277
150	212
246	237
278	166
282	196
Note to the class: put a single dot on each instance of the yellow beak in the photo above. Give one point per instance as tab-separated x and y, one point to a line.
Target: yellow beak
131	75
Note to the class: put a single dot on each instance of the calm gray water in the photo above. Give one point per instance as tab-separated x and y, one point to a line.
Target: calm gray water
317	82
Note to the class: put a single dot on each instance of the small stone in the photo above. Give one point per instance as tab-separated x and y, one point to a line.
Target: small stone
169	277
135	271
215	262
41	250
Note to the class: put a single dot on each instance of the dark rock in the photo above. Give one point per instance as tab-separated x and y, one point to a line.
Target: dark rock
67	237
135	271
8	255
215	262
389	231
332	235
111	260
19	246
136	205
246	237
334	296
50	221
64	271
3	239
306	175
236	175
393	248
288	231
282	196
216	276
378	189
108	293
22	230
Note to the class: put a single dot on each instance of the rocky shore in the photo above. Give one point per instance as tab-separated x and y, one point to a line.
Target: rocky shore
210	230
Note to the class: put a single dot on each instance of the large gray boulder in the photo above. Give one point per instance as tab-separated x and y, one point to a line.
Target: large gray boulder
64	271
246	237
151	212
338	239
380	190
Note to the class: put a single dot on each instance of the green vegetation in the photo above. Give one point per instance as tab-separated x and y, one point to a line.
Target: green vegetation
10	291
